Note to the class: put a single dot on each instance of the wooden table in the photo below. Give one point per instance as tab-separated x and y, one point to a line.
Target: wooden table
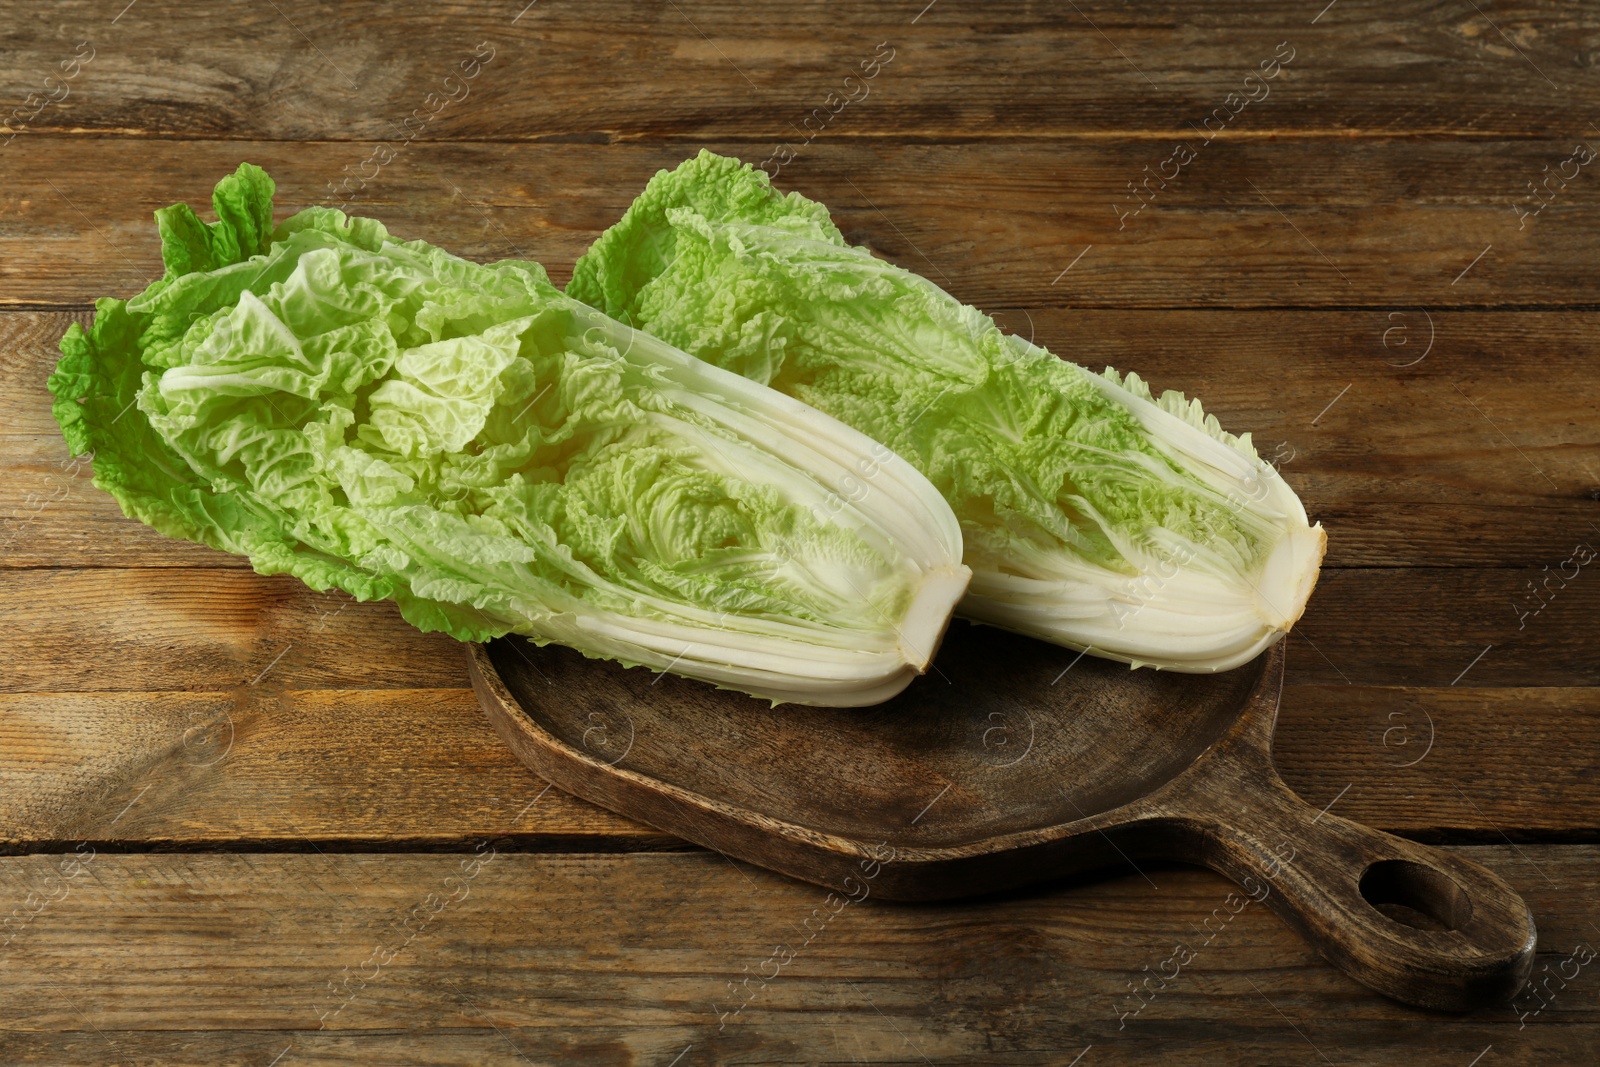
249	814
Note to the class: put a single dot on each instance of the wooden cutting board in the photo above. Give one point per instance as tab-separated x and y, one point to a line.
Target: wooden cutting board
1011	762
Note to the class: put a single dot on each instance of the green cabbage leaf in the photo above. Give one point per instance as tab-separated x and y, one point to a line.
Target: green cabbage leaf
1095	514
386	418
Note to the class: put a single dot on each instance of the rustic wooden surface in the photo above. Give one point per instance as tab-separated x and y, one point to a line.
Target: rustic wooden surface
271	782
1035	779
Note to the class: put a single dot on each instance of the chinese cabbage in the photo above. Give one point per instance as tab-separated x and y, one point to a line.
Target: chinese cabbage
1095	514
386	418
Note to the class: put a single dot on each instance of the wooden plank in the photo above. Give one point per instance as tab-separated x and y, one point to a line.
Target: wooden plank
1447	764
1251	223
349	769
51	515
624	956
1423	627
367	769
622	70
824	1037
210	629
28	353
834	1039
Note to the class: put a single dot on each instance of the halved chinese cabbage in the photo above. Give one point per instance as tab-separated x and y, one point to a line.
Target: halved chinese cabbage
1095	515
387	418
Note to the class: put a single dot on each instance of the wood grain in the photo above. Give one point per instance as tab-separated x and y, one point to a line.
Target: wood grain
619	70
1115	766
294	766
279	770
992	151
120	629
826	1036
1428	627
1256	223
615	959
1443	764
28	353
51	515
205	629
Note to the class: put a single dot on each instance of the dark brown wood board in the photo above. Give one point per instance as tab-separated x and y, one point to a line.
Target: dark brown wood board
273	778
1039	780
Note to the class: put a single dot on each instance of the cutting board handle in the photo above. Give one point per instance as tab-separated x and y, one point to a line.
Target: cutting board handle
1423	926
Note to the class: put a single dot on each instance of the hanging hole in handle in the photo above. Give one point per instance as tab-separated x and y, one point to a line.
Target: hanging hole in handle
1415	895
